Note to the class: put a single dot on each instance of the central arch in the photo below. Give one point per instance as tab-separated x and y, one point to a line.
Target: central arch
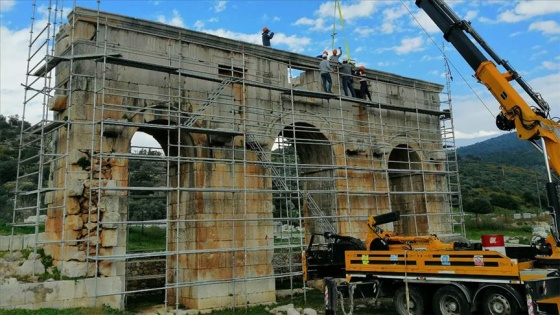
406	186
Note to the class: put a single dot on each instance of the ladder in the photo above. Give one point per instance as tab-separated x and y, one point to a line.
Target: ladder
277	180
211	99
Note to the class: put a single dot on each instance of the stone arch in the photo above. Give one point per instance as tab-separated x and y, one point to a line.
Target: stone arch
406	190
312	150
179	148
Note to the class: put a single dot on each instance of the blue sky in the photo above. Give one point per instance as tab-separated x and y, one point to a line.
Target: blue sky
392	36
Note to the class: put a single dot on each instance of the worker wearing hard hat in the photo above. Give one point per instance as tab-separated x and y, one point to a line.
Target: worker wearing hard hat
266	36
346	72
325	69
323	53
363	83
336	54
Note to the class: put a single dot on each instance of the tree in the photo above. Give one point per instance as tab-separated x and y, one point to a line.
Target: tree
504	201
478	206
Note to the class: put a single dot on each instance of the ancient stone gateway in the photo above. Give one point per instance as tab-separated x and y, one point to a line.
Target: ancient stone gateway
250	143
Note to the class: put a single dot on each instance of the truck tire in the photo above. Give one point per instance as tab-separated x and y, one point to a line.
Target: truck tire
499	302
416	301
449	300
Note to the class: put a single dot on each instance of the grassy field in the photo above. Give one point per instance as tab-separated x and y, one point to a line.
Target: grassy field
6	229
314	299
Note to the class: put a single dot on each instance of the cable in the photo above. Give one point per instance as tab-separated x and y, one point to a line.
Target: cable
460	74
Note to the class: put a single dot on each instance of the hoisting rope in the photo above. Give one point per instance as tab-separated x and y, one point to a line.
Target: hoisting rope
351	288
339	8
407	292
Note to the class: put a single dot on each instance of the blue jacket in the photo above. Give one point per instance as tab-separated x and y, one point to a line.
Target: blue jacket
266	38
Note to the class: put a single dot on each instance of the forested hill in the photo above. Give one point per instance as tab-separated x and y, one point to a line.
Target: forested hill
505	149
502	173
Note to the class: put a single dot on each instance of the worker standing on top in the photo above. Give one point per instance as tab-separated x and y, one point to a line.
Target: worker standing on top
325	69
336	54
363	83
266	36
346	73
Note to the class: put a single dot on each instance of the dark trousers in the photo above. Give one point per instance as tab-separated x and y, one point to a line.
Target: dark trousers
327	79
364	89
347	84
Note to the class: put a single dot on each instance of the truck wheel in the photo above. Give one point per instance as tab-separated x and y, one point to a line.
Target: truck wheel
449	300
416	305
499	302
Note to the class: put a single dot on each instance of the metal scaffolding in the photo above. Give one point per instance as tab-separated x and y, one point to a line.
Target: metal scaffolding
404	162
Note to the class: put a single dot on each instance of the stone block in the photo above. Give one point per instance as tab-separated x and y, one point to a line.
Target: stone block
108	238
72	253
110	219
59	290
53	225
12	295
106	268
109	203
73	269
105	286
111	186
58	103
73	222
49	197
75	187
30	267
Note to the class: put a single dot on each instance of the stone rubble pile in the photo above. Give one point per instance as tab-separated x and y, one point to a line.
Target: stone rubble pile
14	268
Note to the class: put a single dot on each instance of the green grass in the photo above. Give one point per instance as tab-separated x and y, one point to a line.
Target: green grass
150	238
485	226
6	229
105	310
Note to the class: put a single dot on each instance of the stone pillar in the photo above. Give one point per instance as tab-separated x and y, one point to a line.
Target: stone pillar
220	237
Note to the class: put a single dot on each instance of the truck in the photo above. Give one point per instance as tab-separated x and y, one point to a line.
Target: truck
425	274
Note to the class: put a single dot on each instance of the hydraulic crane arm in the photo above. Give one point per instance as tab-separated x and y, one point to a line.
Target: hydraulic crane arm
531	123
515	112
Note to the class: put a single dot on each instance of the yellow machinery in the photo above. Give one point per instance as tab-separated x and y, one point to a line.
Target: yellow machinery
423	273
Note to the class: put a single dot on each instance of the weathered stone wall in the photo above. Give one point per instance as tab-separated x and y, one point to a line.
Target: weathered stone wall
94	292
220	200
19	242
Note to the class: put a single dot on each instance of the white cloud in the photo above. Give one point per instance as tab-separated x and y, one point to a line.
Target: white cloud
390	17
350	13
549	65
527	9
220	6
546	27
425	22
472	14
294	43
6	5
198	25
175	20
364	31
547	86
362	9
14	49
476	134
304	21
409	45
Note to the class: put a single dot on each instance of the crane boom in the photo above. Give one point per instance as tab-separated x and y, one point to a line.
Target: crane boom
530	123
515	112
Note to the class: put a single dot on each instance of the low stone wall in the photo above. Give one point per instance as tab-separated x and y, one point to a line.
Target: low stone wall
145	273
62	294
18	242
